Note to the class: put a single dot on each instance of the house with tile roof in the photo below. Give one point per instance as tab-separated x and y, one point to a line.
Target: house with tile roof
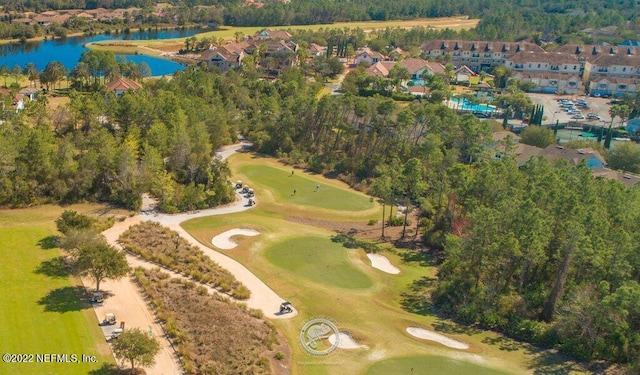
223	58
369	57
121	85
574	157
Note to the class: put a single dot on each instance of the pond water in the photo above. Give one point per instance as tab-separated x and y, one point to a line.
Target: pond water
68	51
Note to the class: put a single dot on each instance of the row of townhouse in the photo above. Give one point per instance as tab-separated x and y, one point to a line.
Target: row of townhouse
601	70
276	50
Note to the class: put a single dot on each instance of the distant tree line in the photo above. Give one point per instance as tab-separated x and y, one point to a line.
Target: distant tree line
500	19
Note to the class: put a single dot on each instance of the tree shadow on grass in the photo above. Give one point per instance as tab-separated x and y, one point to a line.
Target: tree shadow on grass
55	268
49	242
552	363
106	369
508	345
65	299
453	328
416	299
423	258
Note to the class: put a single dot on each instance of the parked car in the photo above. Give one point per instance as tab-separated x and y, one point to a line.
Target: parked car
577	117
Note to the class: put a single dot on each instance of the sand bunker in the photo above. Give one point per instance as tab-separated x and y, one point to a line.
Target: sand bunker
382	263
422	333
223	240
346	342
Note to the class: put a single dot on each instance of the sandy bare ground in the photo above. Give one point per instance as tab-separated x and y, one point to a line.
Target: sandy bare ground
382	263
346	341
223	240
124	298
425	334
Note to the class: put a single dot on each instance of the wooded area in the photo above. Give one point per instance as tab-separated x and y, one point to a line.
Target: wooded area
545	253
500	19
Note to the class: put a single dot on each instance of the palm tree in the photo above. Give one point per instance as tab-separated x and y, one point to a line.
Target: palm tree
81	73
31	70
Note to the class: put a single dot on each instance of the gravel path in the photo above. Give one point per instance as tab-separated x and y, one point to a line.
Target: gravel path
124	298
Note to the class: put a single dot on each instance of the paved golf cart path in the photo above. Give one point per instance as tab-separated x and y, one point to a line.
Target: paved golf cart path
128	303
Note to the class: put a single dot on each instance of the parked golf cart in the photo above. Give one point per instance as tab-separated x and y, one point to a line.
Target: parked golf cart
97	298
238	184
109	319
286	307
116	332
250	193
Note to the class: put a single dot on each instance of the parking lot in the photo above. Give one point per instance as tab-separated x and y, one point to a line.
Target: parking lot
553	111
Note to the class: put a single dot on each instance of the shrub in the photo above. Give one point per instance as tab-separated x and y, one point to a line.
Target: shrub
372	222
279	356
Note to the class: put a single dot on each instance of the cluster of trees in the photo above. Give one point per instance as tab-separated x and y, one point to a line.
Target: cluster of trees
100	147
88	252
546	253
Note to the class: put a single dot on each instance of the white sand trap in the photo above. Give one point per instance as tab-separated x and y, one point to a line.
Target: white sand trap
382	263
346	342
422	333
223	240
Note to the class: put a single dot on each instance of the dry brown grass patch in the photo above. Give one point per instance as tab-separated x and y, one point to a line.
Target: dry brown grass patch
212	335
163	246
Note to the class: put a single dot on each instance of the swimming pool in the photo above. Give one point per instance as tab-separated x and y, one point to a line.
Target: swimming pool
462	104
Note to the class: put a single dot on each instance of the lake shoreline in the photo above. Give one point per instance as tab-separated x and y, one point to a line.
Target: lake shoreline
45	38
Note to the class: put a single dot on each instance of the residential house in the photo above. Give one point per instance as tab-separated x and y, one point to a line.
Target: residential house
478	56
463	75
273	35
398	54
222	57
419	91
498	147
626	178
317	50
18	102
24	21
616	87
419	68
380	69
574	157
369	57
122	85
548	62
29	92
551	83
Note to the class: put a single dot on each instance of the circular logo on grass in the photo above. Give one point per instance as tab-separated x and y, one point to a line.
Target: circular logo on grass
315	336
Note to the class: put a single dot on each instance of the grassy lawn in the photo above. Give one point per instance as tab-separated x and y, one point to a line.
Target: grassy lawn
280	184
303	265
319	260
39	306
428	365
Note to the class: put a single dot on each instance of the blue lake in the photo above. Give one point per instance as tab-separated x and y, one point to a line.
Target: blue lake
68	51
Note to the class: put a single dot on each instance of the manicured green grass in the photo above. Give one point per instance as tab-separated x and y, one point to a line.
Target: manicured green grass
318	259
429	365
40	310
281	183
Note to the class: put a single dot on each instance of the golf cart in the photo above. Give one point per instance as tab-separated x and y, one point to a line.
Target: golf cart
116	332
97	298
238	184
250	193
286	307
245	189
110	319
251	202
